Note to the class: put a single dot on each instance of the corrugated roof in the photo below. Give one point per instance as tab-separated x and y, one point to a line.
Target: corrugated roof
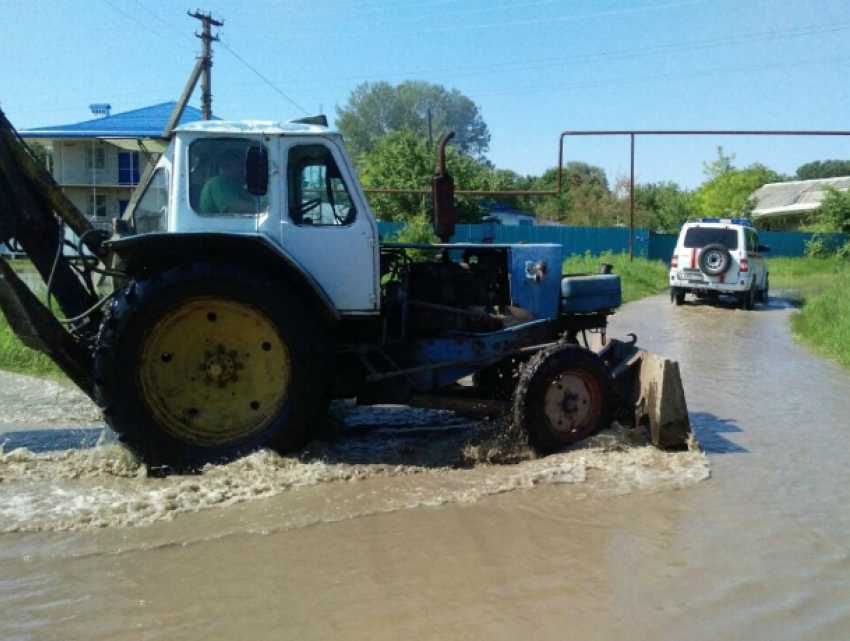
147	122
794	198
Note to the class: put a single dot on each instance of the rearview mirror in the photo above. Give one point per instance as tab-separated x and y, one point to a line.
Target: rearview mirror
257	170
764	248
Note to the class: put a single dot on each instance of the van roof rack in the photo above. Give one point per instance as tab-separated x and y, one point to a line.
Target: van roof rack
728	221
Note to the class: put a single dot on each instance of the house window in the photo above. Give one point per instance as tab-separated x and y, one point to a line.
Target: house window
97	205
95	158
128	168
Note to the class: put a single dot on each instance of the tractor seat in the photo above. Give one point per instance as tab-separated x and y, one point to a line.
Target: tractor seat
590	293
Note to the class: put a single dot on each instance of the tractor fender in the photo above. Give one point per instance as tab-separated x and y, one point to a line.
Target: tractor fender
146	254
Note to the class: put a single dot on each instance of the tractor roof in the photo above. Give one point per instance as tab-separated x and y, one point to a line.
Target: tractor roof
242	127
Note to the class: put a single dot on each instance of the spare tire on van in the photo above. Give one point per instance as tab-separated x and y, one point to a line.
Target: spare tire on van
714	259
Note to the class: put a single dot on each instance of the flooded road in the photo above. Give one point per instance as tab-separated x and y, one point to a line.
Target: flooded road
403	523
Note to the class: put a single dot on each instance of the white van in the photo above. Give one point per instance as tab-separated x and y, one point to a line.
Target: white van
715	256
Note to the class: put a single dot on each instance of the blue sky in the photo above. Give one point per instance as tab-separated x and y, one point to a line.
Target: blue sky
534	67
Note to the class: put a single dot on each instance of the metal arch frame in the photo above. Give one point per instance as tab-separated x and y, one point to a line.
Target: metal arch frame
632	133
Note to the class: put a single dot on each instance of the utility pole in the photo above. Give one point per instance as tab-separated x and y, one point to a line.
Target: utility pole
207	39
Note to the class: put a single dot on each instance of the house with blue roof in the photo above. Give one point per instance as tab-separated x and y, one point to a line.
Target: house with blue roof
99	162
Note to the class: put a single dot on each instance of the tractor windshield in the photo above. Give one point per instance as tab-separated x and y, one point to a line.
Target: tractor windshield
217	178
699	237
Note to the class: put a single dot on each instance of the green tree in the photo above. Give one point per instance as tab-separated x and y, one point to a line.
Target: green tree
402	160
585	199
719	166
663	206
730	191
376	109
44	155
833	215
823	169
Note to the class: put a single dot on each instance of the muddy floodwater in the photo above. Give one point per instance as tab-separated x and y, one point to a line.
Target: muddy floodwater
410	524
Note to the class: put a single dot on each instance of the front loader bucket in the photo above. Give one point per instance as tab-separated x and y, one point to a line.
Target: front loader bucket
649	393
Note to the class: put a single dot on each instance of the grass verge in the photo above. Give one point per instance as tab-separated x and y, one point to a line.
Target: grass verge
14	355
824	321
640	278
792	270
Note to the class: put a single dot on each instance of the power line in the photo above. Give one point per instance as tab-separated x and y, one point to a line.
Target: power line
514	23
512	67
604	56
674	76
266	80
163	21
143	25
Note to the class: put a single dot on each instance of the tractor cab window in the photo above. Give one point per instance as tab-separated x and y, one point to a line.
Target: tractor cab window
151	213
317	194
217	178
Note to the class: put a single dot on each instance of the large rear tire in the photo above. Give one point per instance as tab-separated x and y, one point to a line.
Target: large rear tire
207	363
564	395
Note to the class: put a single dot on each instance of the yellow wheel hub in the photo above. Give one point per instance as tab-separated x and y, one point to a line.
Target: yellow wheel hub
214	372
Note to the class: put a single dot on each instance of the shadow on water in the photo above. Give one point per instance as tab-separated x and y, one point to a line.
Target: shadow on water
52	440
709	430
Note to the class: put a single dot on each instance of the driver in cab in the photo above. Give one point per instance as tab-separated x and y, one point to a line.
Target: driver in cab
226	192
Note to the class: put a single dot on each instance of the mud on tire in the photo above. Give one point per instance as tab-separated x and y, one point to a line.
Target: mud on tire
565	394
205	363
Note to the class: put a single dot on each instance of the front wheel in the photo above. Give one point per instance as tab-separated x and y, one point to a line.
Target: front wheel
564	395
205	364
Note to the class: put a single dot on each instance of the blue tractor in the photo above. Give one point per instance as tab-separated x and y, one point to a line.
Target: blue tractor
251	288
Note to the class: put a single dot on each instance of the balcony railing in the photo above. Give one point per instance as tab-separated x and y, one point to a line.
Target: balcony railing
97	177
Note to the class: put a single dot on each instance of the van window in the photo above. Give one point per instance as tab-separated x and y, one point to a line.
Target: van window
151	213
752	241
699	237
217	180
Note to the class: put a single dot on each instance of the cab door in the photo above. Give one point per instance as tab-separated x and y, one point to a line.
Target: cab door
325	223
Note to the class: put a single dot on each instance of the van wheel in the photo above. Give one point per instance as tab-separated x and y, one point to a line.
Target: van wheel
677	295
564	395
747	299
764	295
205	364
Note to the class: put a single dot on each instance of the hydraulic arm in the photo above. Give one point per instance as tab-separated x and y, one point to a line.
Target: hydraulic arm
33	214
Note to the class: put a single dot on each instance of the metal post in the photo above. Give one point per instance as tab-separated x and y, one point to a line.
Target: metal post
207	39
632	204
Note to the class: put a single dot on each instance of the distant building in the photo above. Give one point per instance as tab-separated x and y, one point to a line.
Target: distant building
99	162
506	215
787	205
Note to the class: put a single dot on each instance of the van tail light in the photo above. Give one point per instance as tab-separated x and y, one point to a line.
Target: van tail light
675	262
745	265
